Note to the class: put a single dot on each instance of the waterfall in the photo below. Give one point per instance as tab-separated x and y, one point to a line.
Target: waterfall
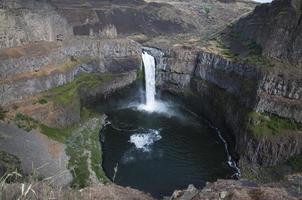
149	63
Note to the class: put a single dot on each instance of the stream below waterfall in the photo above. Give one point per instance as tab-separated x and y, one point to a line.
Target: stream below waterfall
157	146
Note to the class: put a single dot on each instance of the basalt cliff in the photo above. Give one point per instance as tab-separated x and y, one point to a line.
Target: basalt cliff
234	79
238	64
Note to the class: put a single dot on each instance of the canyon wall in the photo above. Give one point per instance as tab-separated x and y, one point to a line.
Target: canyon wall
24	21
277	28
258	105
228	93
41	66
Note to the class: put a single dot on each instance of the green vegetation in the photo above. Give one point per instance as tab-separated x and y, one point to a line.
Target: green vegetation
9	162
60	135
252	52
255	55
82	141
73	62
42	101
140	74
206	10
68	94
87	114
83	146
84	150
25	122
224	49
262	124
296	163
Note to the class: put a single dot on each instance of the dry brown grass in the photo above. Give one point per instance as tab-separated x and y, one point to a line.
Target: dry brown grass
32	49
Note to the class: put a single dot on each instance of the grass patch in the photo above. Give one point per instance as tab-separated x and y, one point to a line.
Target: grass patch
60	135
254	56
83	145
82	142
296	163
42	101
223	48
96	157
87	114
25	122
9	162
69	93
262	124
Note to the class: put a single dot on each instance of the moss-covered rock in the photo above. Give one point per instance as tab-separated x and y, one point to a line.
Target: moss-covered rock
261	124
84	150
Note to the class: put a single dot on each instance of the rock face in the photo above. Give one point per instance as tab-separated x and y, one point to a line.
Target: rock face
152	18
39	67
231	190
36	151
24	21
226	92
277	28
127	16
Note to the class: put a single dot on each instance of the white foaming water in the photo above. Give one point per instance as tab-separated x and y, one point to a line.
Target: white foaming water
157	107
149	63
143	141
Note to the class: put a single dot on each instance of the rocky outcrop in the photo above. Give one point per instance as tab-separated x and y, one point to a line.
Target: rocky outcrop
24	21
152	18
280	93
45	191
37	154
277	28
226	92
239	190
39	67
128	17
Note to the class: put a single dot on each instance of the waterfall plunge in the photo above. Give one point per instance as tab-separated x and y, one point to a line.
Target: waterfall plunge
149	63
152	105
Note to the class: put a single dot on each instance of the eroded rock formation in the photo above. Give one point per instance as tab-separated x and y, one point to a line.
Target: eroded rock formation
24	21
277	28
39	67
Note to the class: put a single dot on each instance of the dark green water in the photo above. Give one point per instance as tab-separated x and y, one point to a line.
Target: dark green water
160	152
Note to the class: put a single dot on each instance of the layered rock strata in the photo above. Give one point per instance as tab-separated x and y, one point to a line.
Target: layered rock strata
35	68
227	92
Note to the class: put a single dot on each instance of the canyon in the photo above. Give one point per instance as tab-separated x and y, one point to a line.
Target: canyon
235	63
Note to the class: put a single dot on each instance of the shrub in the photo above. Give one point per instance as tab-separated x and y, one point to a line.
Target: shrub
42	101
2	113
262	124
25	122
